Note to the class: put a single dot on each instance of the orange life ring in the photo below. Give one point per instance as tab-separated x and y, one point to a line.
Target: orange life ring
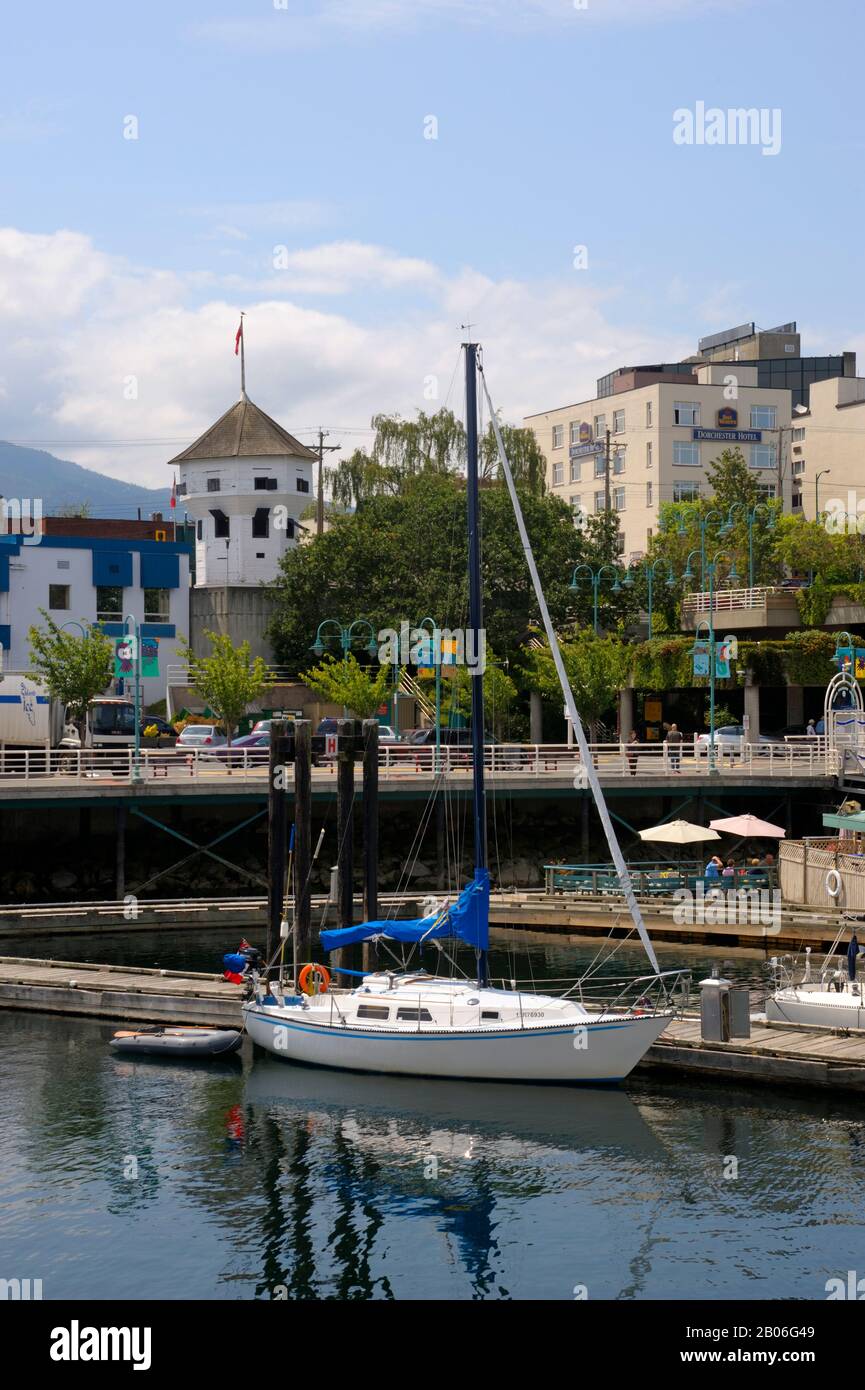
305	979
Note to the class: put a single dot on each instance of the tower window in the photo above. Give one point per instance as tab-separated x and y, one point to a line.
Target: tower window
302	484
261	523
220	524
265	484
213	485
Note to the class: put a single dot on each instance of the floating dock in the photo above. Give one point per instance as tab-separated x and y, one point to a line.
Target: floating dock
774	1054
601	915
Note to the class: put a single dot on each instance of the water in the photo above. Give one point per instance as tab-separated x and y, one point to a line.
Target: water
252	1178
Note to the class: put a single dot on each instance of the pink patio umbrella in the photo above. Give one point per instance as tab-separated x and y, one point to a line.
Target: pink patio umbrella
749	827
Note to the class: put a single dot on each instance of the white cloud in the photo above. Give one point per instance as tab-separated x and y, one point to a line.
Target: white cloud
324	21
80	326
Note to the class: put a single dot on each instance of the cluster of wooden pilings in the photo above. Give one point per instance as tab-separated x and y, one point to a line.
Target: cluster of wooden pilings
290	769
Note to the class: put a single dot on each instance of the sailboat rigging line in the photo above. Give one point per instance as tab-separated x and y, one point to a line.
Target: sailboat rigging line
476	623
585	756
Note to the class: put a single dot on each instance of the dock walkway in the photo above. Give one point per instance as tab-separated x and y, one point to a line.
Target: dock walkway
774	1054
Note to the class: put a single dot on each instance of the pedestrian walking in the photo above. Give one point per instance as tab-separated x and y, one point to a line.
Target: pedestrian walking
674	745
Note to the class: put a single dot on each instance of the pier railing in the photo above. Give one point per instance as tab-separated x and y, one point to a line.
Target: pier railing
403	762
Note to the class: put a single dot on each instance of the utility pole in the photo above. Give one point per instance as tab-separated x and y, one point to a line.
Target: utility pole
319	501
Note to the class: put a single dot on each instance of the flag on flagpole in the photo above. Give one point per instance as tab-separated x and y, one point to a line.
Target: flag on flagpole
237	338
173	502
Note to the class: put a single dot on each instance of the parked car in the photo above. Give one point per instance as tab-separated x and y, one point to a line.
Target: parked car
730	738
200	736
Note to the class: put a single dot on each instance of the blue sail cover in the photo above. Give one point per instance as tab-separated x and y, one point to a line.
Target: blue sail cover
468	918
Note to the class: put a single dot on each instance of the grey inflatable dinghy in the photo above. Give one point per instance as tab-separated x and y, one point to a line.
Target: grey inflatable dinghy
179	1042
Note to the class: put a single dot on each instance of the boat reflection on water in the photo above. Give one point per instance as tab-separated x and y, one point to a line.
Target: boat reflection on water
446	1153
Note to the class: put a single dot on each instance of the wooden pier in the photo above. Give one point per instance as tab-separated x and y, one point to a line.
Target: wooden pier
561	915
775	1054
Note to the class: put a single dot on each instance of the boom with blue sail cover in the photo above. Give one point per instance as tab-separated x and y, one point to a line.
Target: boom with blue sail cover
468	919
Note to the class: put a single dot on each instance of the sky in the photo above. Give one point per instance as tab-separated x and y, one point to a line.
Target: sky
362	177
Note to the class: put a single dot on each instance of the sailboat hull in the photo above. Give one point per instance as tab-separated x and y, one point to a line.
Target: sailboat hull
593	1053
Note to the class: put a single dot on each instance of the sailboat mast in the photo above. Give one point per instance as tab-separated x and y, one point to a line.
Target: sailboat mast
476	620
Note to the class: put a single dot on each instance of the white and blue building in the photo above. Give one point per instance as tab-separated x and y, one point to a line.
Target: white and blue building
97	578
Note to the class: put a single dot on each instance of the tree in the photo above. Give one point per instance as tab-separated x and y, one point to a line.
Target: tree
401	450
597	668
74	669
524	454
500	692
361	689
404	558
228	680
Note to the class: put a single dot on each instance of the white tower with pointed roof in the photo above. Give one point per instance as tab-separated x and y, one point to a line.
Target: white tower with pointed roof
245	482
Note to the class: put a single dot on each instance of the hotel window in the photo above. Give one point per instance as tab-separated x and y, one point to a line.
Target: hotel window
648	415
109	604
768	492
575	470
649	455
157	605
797	500
764	417
600	465
558	436
213	485
686	413
648	537
576	502
619	499
599	501
600	426
302	484
558	474
798	434
58	596
798	467
763	456
221	529
575	432
261	523
619	461
686	453
618	422
648	494
686	492
620	544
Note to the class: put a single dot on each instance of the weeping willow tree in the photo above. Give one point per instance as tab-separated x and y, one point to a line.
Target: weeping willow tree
403	449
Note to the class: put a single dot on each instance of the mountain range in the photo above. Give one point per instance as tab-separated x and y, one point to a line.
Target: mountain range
64	486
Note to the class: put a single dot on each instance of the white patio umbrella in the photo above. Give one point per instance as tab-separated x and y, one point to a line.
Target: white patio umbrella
749	827
679	832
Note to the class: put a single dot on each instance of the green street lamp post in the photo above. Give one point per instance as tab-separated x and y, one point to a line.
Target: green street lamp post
749	515
331	630
595	576
817	492
703	526
711	569
135	635
650	570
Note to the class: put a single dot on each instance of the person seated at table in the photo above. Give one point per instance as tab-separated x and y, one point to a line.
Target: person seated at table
713	868
729	869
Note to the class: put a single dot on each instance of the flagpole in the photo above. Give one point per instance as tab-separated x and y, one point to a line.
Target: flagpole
242	361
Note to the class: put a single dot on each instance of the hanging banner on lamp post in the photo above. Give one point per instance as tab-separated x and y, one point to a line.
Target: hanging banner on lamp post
700	653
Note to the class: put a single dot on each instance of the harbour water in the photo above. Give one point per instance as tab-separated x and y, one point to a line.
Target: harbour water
257	1179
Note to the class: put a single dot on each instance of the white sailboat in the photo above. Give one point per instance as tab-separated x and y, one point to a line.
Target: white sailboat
834	998
414	1024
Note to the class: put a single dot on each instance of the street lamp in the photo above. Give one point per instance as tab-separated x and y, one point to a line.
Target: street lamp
703	525
816	493
650	570
595	577
749	516
136	667
711	569
345	636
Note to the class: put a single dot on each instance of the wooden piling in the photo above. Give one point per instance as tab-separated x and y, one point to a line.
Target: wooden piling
277	826
303	834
